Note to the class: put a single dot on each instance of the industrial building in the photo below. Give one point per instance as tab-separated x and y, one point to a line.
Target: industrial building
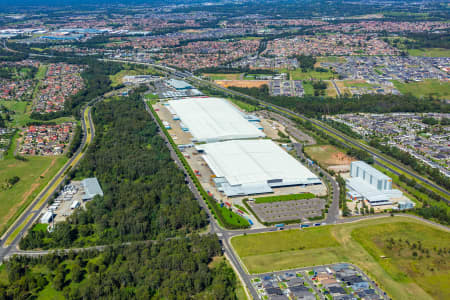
213	120
91	188
246	167
47	217
179	84
370	185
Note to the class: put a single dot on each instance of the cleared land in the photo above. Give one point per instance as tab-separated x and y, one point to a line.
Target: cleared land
430	52
299	75
425	88
341	243
116	79
223	76
357	83
242	83
328	155
331	59
34	174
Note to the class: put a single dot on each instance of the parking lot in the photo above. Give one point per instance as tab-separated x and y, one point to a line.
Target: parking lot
69	198
179	136
288	210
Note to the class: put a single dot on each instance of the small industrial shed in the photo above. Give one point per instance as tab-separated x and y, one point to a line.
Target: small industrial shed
91	188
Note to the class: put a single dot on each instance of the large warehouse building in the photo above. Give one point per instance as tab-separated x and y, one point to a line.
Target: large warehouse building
246	167
212	120
368	184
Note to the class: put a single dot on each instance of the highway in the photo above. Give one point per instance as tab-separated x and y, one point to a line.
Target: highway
380	159
214	228
31	214
10	240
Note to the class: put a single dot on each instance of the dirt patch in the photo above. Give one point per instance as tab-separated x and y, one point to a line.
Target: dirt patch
328	155
341	158
242	83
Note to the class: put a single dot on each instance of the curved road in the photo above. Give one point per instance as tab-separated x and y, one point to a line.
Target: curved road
224	235
360	146
284	111
11	238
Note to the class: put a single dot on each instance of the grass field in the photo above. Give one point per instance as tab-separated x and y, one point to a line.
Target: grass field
425	88
291	197
231	217
328	155
330	90
414	254
358	243
244	105
41	72
22	111
430	52
309	89
287	240
34	174
223	76
356	83
331	59
299	75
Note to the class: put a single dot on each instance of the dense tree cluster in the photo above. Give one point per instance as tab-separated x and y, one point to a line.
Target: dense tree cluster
427	40
6	55
145	195
316	106
343	128
172	269
438	213
76	141
413	162
306	62
13	72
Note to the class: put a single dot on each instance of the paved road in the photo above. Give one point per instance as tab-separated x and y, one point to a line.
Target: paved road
333	210
290	114
336	87
306	277
223	234
380	159
31	213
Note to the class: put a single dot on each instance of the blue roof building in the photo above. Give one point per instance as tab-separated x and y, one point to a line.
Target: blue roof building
91	188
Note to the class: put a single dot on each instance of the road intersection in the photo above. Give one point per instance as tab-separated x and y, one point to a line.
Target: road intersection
10	241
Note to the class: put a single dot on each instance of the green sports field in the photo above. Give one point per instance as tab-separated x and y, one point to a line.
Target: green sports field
401	273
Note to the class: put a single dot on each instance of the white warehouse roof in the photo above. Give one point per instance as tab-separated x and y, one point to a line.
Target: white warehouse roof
91	188
213	119
254	166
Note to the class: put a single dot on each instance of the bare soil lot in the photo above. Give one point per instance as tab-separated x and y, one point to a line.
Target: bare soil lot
242	83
